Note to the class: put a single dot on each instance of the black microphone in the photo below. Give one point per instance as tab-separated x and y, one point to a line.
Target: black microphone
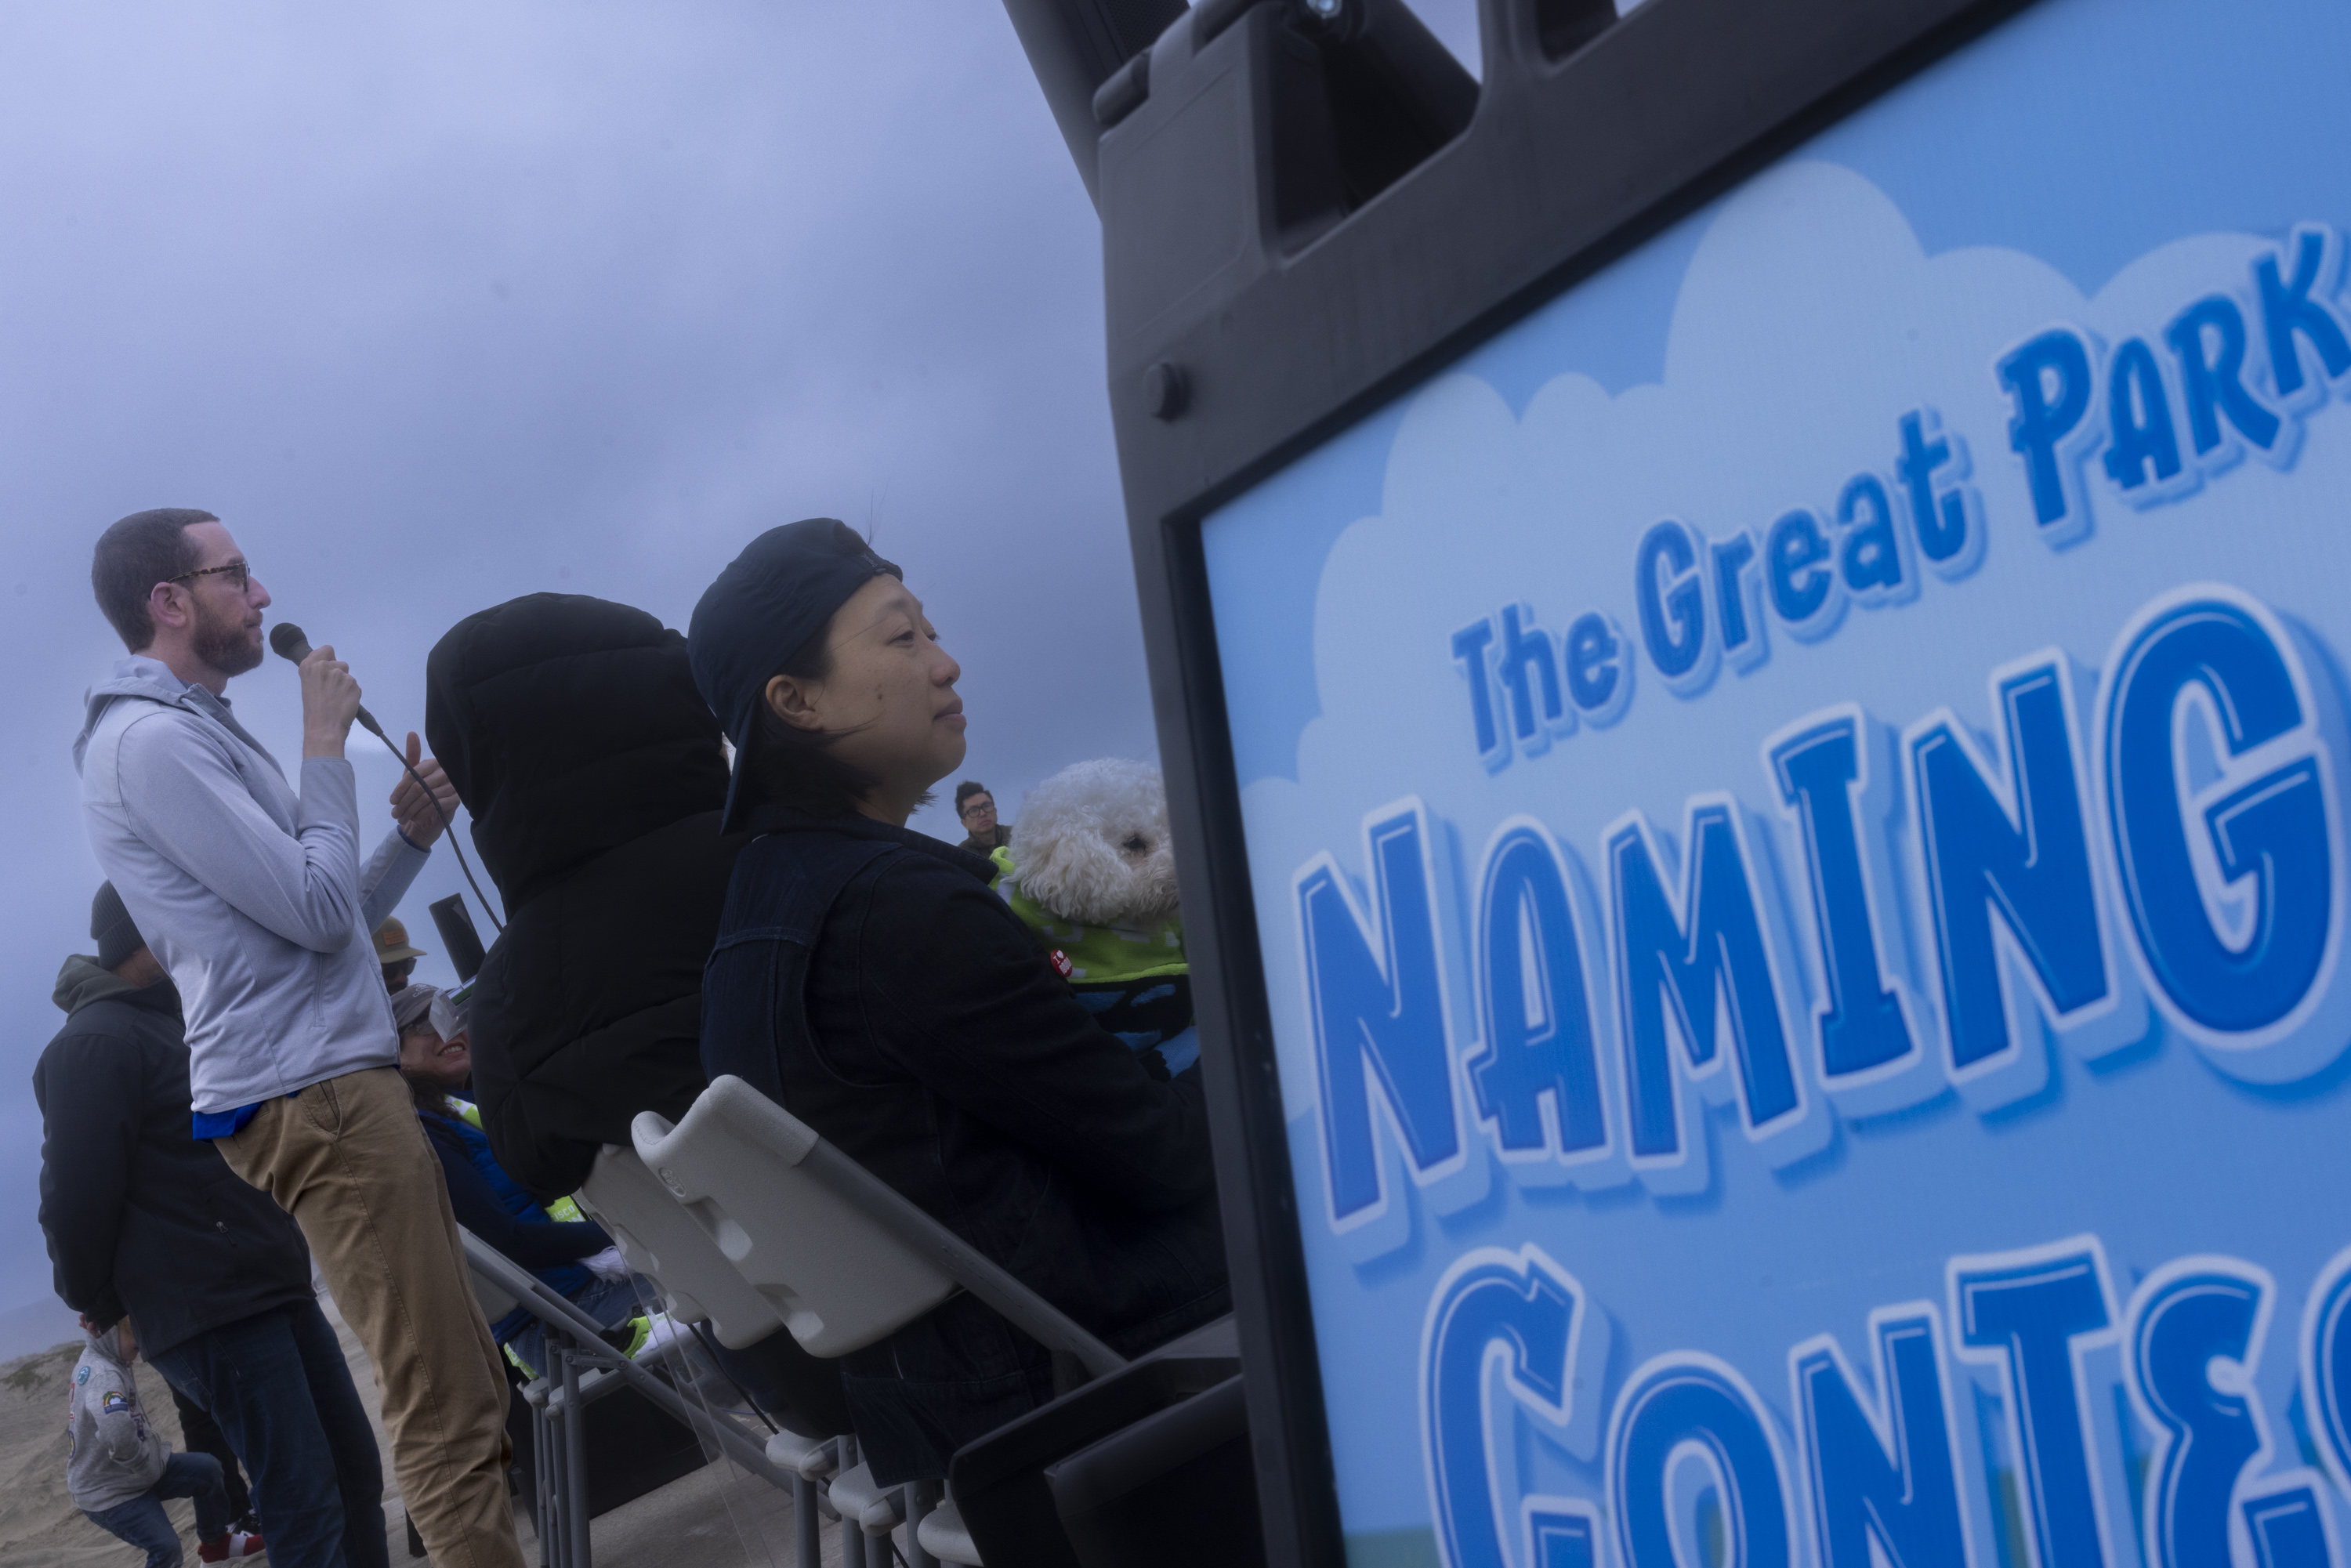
286	640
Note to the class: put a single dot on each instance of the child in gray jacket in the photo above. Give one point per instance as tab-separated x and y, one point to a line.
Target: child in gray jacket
120	1472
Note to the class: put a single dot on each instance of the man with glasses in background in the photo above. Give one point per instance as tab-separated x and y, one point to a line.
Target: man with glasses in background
977	806
255	899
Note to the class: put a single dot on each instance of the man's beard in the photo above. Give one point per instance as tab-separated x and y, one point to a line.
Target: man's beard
223	644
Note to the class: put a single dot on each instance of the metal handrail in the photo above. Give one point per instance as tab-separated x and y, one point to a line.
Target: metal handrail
548	1306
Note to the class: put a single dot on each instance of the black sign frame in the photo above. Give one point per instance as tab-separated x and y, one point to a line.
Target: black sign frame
1254	309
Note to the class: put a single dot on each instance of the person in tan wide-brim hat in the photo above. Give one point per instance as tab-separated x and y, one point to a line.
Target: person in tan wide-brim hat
392	951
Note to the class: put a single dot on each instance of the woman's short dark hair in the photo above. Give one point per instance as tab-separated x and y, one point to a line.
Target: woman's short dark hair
134	555
795	767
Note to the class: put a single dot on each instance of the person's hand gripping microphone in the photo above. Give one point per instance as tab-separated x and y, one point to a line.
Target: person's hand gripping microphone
287	641
421	804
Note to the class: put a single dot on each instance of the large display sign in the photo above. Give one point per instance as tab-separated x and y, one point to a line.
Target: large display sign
1796	803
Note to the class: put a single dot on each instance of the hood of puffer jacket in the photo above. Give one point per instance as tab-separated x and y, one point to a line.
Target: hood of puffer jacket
569	726
81	982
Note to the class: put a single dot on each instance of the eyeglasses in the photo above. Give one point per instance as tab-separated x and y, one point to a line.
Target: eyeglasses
975	808
239	575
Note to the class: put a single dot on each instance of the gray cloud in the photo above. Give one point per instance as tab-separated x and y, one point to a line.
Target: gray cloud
440	304
437	305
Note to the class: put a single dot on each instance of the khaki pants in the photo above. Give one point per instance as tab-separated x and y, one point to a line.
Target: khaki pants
349	1160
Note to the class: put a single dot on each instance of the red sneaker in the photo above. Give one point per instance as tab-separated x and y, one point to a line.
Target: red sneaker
229	1548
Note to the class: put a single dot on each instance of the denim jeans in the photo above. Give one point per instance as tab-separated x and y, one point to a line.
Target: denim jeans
200	1434
278	1384
142	1521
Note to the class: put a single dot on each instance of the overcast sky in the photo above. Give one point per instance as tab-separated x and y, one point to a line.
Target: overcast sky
438	304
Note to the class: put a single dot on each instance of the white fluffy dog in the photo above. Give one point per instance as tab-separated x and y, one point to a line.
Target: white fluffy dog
1092	845
1091	872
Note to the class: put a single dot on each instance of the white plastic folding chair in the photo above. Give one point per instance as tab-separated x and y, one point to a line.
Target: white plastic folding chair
699	1285
840	1255
662	1243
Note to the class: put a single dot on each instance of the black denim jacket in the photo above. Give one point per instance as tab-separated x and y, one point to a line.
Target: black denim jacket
866	977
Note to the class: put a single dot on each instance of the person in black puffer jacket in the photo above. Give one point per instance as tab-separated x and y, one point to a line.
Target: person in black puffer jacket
595	776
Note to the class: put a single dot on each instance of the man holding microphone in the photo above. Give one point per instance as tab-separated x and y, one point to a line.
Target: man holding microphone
255	897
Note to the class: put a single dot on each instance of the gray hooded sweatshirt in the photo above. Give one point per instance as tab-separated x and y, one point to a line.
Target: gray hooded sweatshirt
250	894
116	1454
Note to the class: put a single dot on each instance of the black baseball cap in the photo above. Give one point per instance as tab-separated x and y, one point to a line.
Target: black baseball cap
774	597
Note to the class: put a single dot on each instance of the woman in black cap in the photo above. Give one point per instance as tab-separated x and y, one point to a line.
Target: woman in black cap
867	980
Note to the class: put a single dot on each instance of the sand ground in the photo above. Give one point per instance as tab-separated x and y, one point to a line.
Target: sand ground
716	1517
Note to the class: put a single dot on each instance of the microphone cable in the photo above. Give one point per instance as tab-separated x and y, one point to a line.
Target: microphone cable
287	641
448	829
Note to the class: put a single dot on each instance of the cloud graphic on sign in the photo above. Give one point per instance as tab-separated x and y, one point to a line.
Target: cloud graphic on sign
1809	321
